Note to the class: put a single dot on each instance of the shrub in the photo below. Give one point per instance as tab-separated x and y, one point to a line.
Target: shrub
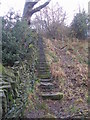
16	39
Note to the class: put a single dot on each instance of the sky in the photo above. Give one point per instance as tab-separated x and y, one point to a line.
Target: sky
70	6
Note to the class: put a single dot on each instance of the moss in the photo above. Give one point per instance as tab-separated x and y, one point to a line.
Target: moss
47	71
44	76
0	68
44	72
57	96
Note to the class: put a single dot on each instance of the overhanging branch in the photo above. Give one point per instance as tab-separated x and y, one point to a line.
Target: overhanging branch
40	7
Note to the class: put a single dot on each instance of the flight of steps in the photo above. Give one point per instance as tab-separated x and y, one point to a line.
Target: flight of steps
48	90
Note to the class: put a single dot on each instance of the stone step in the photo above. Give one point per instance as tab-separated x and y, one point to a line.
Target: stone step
46	85
42	63
52	96
46	89
43	73
46	80
44	76
43	68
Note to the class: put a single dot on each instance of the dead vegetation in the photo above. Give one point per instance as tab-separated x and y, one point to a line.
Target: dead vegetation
70	71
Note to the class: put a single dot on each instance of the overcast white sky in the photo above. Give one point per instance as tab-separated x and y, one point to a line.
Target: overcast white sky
70	6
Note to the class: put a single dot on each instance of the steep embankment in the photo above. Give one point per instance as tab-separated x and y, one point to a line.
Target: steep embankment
67	73
68	61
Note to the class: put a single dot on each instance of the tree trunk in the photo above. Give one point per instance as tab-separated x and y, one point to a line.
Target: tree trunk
29	11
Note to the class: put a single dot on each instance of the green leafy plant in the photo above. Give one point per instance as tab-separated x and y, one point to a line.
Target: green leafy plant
17	40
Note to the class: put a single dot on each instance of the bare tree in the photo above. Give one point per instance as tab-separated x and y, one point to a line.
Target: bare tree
29	9
51	21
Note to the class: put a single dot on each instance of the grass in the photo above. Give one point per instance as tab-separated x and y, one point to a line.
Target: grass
79	49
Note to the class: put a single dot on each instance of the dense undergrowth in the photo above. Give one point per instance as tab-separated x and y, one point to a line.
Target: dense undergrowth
17	70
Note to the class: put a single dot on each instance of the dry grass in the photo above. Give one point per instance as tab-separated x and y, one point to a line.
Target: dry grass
57	71
71	76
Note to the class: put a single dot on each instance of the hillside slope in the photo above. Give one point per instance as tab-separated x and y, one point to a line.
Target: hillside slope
69	70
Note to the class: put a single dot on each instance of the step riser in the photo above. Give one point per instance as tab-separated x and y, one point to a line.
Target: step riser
52	97
43	73
46	81
44	77
42	69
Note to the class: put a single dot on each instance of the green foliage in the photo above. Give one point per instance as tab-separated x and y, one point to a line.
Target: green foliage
19	49
9	48
79	25
17	40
